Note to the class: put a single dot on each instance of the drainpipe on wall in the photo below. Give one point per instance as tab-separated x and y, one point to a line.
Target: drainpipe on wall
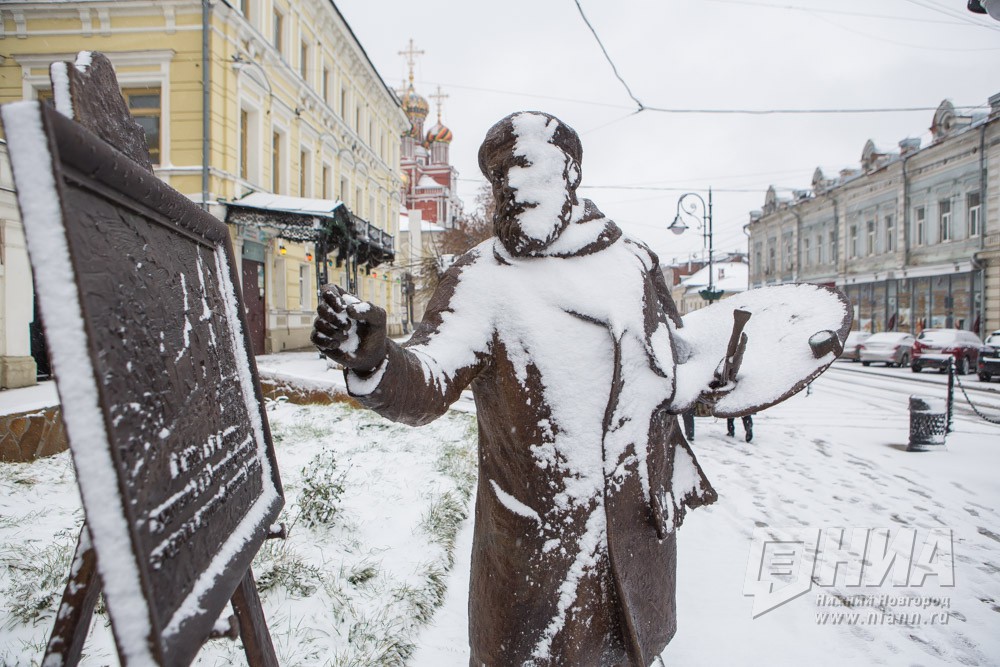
983	211
836	241
905	218
206	83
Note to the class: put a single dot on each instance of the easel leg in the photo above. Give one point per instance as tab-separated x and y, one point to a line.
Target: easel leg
77	607
253	627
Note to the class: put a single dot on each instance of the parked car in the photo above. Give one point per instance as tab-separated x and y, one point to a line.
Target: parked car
890	347
989	358
934	347
854	339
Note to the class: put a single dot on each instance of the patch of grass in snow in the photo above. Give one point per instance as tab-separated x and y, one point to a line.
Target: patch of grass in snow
458	461
423	601
379	639
360	574
36	576
322	488
442	520
279	565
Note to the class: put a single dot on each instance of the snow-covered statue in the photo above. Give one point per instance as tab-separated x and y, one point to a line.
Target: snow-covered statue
565	330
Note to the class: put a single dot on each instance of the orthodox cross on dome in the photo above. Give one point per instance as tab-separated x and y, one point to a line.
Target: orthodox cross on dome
411	54
438	97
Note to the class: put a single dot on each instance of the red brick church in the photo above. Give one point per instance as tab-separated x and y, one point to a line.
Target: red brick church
430	183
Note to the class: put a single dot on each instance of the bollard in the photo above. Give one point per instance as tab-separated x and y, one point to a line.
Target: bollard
928	423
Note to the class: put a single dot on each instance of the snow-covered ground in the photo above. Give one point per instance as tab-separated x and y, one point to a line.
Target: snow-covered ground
834	458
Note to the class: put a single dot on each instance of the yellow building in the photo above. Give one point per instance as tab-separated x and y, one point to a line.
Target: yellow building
294	108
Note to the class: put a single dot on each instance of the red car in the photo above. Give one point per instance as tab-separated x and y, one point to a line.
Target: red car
935	347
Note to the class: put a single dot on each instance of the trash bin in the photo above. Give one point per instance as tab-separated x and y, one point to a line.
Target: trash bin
928	423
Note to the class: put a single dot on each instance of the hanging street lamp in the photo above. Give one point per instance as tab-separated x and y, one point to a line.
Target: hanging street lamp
679	227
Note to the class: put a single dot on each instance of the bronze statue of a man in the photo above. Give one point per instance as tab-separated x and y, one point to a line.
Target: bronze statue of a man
565	330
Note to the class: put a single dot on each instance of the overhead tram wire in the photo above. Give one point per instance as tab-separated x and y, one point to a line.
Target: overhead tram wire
842	12
635	99
750	112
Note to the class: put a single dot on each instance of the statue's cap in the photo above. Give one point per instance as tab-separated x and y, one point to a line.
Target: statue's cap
499	142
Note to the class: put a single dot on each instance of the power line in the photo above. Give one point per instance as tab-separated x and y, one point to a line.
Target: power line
610	62
879	38
964	17
810	10
707	111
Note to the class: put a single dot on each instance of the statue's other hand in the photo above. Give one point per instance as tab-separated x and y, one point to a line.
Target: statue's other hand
349	331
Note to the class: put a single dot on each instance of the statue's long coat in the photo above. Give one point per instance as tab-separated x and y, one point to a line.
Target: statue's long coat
584	474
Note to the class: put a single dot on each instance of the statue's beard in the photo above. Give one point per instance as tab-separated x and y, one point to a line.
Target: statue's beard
508	225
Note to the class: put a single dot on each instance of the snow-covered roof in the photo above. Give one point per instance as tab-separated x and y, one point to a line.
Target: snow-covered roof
273	202
428	182
729	277
425	225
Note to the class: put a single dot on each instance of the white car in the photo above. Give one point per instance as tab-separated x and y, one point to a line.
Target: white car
891	348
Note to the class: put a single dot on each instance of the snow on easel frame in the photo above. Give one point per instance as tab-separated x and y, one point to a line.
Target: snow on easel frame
138	293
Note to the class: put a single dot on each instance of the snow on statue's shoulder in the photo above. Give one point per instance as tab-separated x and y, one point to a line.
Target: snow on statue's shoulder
786	347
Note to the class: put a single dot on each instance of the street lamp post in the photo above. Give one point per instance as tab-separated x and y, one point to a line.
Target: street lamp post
678	227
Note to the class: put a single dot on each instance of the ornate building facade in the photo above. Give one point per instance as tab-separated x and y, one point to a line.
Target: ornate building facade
243	98
912	237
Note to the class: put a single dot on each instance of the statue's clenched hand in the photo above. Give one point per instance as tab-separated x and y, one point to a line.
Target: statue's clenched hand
349	331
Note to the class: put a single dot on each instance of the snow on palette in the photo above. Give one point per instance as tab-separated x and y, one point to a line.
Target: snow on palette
778	359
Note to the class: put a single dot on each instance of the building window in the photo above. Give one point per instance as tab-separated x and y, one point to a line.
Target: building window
326	181
276	162
870	242
304	287
833	246
278	33
807	252
771	261
304	174
343	102
326	85
345	190
820	259
144	105
304	61
890	234
919	228
944	220
244	143
974	206
853	247
357	119
758	258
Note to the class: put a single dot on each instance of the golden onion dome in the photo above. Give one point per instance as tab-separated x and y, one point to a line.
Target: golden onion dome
414	103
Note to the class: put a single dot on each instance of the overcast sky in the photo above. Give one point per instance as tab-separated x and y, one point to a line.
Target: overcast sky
495	58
